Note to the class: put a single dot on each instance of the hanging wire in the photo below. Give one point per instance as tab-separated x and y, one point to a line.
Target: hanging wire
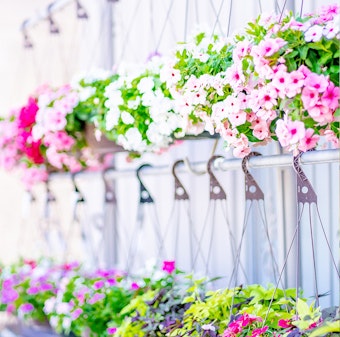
217	14
129	30
186	20
105	14
197	12
260	6
282	11
301	8
229	16
164	25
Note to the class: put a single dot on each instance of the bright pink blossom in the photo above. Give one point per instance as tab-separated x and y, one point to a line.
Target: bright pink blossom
28	113
284	323
111	330
168	266
331	96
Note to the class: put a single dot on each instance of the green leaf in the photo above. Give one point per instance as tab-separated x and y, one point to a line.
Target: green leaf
326	328
303	51
325	58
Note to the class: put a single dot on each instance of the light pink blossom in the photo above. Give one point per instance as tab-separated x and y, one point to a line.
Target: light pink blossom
317	82
309	141
314	34
310	97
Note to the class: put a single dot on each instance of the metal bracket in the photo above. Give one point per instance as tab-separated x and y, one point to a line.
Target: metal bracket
305	191
144	196
110	195
80	196
180	191
216	190
253	191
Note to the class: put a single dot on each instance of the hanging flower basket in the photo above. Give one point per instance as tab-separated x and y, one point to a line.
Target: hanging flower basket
102	145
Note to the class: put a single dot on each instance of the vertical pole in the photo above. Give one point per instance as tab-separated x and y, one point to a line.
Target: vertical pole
110	217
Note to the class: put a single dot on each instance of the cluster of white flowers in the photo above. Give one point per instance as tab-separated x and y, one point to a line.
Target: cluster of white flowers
141	115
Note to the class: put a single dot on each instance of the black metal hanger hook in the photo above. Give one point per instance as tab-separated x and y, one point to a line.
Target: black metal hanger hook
180	191
144	196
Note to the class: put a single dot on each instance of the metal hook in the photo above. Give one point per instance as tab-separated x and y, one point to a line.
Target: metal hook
305	191
80	196
144	196
180	191
49	195
110	195
190	168
216	190
253	191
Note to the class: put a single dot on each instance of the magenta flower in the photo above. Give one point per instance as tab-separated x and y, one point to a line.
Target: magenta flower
8	295
259	331
331	96
96	298
134	286
28	113
284	323
111	330
26	308
76	313
99	284
168	266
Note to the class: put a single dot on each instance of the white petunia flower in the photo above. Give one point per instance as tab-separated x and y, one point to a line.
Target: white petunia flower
127	118
112	118
146	84
133	104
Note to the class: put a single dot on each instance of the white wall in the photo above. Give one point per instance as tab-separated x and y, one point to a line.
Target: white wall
137	27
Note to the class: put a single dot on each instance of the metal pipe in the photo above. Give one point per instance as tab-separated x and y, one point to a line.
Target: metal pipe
285	160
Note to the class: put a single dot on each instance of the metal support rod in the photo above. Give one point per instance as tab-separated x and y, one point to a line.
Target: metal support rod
285	160
45	13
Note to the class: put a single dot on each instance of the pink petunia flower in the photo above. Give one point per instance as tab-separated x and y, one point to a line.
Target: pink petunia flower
331	96
317	82
168	266
309	97
76	313
321	114
309	141
111	330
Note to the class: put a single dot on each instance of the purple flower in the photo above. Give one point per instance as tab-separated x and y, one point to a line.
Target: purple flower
33	290
8	295
76	313
96	297
111	330
98	284
26	308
